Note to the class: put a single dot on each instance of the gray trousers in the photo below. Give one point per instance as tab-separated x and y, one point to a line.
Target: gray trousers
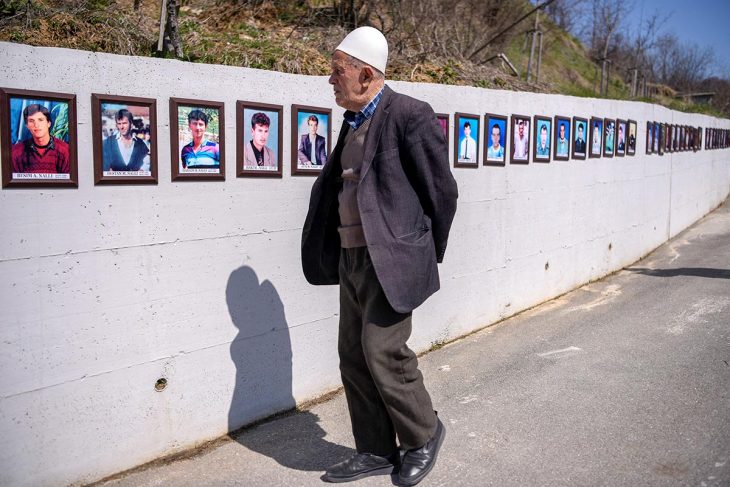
384	388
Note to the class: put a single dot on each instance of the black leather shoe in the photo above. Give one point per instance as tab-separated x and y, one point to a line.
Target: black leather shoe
417	463
361	465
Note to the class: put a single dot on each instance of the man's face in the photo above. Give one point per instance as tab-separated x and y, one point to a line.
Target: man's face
124	127
345	81
543	136
521	128
312	127
621	132
495	136
562	131
467	130
580	131
197	128
38	126
260	134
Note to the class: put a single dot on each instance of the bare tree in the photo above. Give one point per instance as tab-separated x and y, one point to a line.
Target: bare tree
173	41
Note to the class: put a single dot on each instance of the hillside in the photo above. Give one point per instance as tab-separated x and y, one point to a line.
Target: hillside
291	36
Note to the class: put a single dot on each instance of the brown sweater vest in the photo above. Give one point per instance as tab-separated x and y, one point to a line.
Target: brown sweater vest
351	233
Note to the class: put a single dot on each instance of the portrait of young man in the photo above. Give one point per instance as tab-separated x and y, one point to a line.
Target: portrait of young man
543	131
521	142
631	143
312	146
581	132
122	151
496	128
621	138
596	137
378	224
256	152
609	129
40	153
200	154
467	143
562	138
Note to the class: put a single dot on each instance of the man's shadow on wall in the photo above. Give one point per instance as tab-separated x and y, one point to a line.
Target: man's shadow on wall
263	356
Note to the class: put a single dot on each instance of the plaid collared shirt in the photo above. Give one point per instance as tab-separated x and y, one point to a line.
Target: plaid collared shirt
357	119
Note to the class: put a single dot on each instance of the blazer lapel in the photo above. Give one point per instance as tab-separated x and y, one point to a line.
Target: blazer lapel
334	158
374	132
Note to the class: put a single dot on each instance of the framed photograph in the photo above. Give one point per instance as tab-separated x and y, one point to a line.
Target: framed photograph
682	141
561	144
659	138
520	147
609	135
466	136
698	144
259	140
197	145
311	134
580	131
543	137
649	137
443	120
38	139
666	138
620	138
675	138
495	154
631	139
125	139
596	144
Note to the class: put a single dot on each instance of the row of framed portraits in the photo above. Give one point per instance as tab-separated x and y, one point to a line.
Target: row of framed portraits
39	144
666	137
558	138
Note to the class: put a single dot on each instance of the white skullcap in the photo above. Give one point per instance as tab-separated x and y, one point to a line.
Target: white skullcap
368	45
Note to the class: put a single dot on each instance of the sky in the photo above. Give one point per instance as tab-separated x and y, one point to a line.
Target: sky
702	22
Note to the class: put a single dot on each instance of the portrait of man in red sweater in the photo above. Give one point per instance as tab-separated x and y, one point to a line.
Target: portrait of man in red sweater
41	153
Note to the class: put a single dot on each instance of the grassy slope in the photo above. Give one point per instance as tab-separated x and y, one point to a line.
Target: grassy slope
276	39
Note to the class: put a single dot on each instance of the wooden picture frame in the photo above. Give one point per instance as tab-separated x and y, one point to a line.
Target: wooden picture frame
495	156
622	130
466	140
110	166
565	141
540	152
523	156
265	123
595	147
209	161
300	118
631	137
609	137
580	125
649	137
659	138
50	128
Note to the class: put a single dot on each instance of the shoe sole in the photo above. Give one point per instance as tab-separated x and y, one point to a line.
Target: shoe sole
370	473
415	480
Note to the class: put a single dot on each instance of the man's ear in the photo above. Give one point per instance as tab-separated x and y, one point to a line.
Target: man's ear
366	75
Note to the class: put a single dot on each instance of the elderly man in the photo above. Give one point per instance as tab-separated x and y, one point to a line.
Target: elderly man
379	218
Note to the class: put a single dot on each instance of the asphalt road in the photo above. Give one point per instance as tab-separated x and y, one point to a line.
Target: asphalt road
622	382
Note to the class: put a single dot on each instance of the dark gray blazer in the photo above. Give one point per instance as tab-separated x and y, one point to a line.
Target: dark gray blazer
407	200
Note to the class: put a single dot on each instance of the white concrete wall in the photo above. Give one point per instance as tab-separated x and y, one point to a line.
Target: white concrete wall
105	289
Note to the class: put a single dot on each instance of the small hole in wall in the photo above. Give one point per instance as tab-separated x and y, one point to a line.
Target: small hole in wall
547	265
160	385
610	246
